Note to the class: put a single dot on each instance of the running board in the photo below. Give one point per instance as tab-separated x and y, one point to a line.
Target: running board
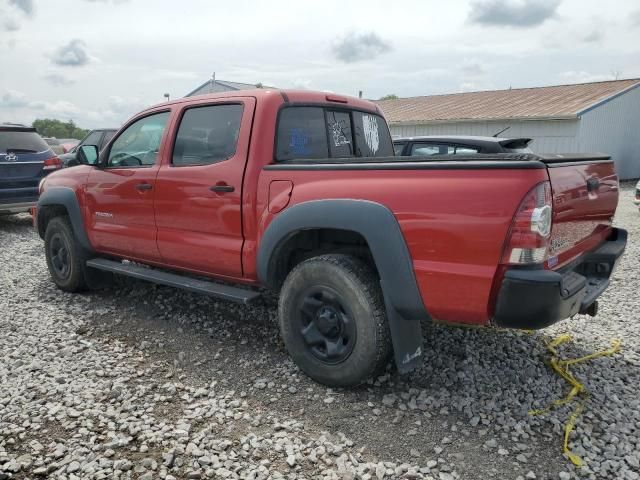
213	289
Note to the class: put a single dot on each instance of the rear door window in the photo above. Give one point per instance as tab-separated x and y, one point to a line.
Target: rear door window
207	135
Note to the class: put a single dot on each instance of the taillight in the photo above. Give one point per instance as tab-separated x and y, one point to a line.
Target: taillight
528	239
52	163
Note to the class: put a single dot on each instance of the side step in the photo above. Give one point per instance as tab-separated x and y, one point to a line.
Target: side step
213	289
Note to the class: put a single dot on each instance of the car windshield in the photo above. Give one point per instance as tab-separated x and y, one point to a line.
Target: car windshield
21	141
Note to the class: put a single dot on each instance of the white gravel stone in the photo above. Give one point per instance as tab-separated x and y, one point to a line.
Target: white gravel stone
76	403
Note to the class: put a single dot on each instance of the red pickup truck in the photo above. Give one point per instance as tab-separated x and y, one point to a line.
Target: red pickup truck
299	192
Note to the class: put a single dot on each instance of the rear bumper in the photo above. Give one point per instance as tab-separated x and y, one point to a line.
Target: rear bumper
17	200
17	207
532	299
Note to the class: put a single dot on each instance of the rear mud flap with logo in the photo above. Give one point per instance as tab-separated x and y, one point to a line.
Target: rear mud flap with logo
406	337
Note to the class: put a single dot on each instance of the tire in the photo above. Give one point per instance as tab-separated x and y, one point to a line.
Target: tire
339	297
66	259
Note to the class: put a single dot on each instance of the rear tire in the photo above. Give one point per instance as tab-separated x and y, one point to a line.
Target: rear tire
66	259
333	321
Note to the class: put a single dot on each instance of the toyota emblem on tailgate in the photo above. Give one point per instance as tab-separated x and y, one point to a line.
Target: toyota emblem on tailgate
11	157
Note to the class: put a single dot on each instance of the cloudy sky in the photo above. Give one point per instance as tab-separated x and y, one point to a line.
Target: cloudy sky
99	61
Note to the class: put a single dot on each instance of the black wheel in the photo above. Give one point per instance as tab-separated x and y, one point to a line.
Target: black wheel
333	321
65	257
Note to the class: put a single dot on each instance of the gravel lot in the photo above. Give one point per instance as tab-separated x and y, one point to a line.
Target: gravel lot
141	381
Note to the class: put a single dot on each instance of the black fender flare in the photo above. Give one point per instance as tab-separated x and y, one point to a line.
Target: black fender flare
65	197
380	228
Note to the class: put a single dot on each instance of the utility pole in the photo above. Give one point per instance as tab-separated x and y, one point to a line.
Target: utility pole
166	95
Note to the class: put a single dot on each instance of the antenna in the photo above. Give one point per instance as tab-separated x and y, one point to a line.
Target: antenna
503	130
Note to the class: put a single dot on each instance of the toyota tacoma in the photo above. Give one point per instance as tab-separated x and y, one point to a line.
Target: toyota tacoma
300	193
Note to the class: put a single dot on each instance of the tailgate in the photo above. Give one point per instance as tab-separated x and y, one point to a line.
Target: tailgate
585	197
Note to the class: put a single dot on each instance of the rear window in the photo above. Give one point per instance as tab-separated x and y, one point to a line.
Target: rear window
21	141
324	132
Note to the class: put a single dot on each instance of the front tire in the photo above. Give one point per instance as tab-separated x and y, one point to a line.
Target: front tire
333	321
66	259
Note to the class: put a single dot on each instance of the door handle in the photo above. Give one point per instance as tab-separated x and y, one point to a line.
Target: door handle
223	188
144	186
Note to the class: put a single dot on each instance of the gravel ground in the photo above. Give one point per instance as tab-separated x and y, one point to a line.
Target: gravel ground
141	381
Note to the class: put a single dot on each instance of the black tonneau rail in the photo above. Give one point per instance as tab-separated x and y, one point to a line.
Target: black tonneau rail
438	162
563	159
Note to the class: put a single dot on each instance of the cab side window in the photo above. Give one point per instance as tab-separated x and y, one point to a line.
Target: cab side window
138	145
207	135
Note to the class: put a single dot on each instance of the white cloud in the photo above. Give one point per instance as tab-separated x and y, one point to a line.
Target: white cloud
73	54
354	47
25	5
513	13
146	48
9	24
13	99
58	79
572	76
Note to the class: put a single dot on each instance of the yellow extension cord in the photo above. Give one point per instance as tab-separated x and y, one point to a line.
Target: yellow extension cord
561	367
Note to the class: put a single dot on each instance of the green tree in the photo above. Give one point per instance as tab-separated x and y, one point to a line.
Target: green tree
50	127
391	96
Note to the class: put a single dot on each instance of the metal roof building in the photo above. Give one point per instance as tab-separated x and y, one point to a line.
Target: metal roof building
588	117
217	86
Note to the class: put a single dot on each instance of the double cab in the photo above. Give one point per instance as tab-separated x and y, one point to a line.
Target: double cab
300	192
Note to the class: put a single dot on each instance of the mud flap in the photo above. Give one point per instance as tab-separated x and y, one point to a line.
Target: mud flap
406	337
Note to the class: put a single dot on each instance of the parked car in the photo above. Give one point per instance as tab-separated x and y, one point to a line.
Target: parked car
55	145
25	158
68	144
99	137
636	199
300	192
458	145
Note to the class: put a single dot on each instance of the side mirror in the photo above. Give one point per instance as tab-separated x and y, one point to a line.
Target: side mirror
87	155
